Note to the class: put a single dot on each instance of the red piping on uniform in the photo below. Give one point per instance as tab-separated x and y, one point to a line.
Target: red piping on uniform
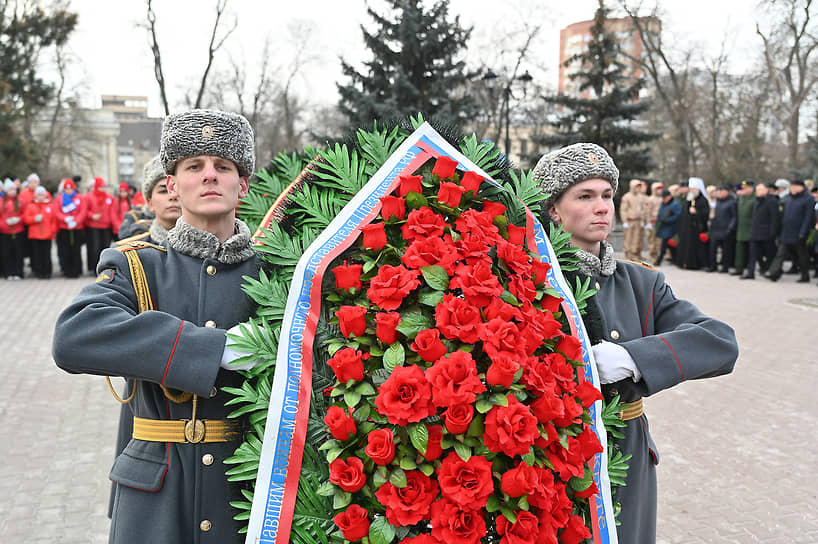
681	372
167	367
645	326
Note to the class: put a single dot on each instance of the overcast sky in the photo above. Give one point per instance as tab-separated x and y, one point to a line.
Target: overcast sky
113	56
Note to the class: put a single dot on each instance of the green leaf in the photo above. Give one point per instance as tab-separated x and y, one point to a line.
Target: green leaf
394	356
381	532
419	435
352	398
415	201
365	388
397	477
407	463
341	498
412	322
430	298
462	450
483	405
436	277
327	489
427	468
493	503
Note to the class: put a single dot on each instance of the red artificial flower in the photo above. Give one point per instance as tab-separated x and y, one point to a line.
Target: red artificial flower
351	320
405	397
589	443
347	474
340	423
385	326
454	379
502	370
388	289
563	370
550	303
407	184
523	531
510	429
592	490
471	181
541	323
522	288
544	495
478	224
410	504
393	206
473	249
548	407
498	308
493	209
454	524
704	237
353	522
428	345
456	318
539	271
468	483
573	411
520	480
457	418
431	251
515	257
570	347
374	236
575	531
380	446
347	365
444	167
450	194
348	276
587	394
500	336
516	235
422	223
433	447
478	283
672	242
538	376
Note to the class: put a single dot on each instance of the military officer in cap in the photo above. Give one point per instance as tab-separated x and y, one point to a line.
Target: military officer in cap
165	328
744	224
646	339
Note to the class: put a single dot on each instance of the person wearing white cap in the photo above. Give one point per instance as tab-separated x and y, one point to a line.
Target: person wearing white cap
692	251
11	231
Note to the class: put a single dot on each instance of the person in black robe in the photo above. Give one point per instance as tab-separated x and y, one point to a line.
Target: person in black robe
693	238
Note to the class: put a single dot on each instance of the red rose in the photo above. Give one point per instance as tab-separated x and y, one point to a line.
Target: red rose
353	522
478	225
385	323
374	236
347	474
563	370
704	237
405	397
541	323
497	308
502	370
589	443
450	194
522	288
428	345
347	365
523	531
592	490
456	318
352	320
545	492
444	167
538	376
570	347
380	446
515	257
550	303
393	206
406	184
458	418
573	411
348	276
341	426
539	271
518	481
471	181
410	504
468	483
548	407
587	394
516	235
422	223
453	524
510	429
388	289
454	379
433	447
429	251
672	242
493	208
478	283
575	531
500	336
473	248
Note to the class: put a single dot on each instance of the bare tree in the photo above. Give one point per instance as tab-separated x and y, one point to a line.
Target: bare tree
157	58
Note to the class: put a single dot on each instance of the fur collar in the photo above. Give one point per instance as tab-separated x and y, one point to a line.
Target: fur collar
197	243
592	265
158	233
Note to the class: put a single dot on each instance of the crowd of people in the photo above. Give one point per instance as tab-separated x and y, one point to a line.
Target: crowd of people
31	220
733	229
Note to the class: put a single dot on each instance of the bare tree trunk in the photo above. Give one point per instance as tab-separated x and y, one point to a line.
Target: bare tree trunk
157	58
55	117
212	48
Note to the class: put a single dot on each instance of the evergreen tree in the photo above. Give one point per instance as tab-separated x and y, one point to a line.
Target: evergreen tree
414	67
606	118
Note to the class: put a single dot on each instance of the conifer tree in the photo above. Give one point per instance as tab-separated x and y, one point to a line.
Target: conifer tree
415	67
606	117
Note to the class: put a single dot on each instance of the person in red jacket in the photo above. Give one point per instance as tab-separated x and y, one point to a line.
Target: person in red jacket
121	205
71	211
98	234
11	232
41	219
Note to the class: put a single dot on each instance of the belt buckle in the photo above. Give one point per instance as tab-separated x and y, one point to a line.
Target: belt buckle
194	431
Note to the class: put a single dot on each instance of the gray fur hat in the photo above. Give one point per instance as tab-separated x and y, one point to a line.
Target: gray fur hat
208	132
558	170
151	174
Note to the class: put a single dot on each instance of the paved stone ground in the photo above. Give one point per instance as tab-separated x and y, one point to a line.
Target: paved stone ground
738	452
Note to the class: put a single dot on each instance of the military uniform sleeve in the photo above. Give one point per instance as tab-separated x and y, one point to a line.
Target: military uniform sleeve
681	343
102	333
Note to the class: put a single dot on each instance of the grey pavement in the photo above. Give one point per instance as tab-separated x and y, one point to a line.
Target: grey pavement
738	453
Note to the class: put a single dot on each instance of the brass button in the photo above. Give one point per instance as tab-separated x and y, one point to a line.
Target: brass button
205	525
615	334
210	324
211	270
596	286
213	392
207	459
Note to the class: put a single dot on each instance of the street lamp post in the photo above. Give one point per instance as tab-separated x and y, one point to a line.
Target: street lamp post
525	78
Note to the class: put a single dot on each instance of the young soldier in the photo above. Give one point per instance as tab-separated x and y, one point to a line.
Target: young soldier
161	210
632	212
171	483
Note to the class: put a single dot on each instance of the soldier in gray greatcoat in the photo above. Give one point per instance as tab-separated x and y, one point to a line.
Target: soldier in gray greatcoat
646	339
166	330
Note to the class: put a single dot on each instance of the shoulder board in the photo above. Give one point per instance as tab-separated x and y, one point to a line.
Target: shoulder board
643	264
126	245
135	238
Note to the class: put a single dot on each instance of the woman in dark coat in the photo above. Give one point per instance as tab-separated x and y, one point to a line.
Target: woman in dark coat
692	250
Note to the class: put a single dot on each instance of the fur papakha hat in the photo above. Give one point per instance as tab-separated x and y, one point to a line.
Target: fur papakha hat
151	174
558	170
207	132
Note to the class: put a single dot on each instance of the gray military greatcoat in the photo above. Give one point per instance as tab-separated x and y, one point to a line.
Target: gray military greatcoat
166	492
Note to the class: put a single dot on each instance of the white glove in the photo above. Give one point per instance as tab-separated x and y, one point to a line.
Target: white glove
230	353
648	226
626	225
11	221
614	363
38	218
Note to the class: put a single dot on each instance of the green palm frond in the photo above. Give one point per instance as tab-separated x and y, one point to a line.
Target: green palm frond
340	170
483	154
316	207
376	146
